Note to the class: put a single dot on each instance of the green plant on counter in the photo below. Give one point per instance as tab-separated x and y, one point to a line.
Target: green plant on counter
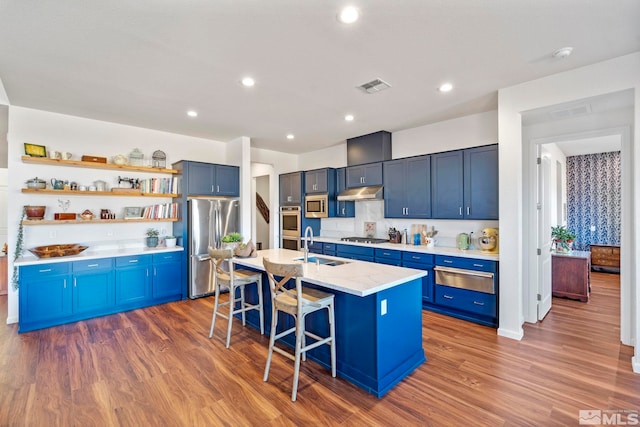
152	232
232	238
561	233
19	248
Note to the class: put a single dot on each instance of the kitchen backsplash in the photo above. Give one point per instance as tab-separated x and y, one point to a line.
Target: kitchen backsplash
373	211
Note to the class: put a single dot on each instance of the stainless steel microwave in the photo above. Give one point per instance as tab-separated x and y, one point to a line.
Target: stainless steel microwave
316	206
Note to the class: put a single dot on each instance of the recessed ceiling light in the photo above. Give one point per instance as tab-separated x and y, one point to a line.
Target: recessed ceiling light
446	87
248	82
563	52
192	113
348	15
290	136
349	117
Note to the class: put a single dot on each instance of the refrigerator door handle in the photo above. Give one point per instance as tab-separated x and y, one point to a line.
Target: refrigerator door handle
203	257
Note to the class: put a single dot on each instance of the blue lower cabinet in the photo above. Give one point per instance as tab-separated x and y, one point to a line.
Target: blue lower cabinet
315	247
167	276
427	281
329	249
360	253
133	280
45	295
63	292
388	256
93	286
466	300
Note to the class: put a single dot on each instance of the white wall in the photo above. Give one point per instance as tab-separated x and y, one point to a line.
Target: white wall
83	136
606	77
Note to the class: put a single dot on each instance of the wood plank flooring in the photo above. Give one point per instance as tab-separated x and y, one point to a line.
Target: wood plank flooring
157	367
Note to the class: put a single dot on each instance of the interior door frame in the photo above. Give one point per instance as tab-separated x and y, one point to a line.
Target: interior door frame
531	285
543	223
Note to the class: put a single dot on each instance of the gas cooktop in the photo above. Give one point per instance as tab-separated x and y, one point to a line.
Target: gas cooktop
363	240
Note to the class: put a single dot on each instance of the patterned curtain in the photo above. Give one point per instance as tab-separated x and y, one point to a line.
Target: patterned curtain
593	199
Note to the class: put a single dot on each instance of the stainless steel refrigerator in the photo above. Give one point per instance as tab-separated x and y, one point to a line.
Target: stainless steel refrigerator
209	220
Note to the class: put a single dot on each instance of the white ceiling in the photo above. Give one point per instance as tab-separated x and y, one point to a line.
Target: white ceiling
145	62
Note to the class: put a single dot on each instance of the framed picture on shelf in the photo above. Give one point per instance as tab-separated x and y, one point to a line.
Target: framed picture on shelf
133	212
35	150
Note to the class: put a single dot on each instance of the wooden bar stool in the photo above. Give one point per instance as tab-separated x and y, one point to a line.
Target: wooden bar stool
233	279
298	303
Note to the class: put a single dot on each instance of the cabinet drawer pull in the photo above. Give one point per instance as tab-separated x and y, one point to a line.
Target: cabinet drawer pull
478	303
448	261
447	296
386	253
65	283
468	210
133	260
93	265
415	257
478	265
46	270
74	282
460	211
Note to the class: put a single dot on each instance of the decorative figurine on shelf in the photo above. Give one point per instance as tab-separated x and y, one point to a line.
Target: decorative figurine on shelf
136	158
64	204
159	159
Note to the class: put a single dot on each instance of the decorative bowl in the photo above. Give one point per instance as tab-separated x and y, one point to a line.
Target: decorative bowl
86	216
36	183
35	212
51	251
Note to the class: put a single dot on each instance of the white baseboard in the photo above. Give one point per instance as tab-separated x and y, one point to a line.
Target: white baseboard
514	335
635	364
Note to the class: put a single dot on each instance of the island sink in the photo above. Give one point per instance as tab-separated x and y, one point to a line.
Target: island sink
322	260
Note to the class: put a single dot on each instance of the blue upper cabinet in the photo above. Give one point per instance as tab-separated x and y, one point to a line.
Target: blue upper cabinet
206	179
364	175
407	187
226	180
291	189
481	182
464	183
344	209
319	181
447	185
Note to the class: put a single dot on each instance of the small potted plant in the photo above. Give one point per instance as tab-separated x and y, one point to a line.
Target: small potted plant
170	241
231	241
152	237
562	238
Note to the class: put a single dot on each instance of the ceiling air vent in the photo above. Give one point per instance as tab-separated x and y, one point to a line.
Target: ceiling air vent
374	86
576	110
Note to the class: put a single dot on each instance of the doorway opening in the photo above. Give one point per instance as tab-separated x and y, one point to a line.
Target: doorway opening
608	117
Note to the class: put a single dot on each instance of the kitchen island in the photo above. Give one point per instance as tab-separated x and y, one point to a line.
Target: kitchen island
378	316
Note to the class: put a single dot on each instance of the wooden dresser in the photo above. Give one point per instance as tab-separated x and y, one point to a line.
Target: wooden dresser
605	258
571	275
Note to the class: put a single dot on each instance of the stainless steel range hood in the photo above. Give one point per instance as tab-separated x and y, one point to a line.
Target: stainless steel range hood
361	193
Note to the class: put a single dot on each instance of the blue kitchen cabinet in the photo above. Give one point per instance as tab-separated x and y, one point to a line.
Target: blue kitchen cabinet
320	181
460	293
447	192
344	209
207	179
464	183
388	256
481	182
425	262
315	247
45	295
291	189
407	187
364	175
133	281
329	249
93	286
167	277
360	253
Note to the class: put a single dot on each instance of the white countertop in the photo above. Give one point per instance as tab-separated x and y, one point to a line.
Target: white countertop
94	253
438	250
358	278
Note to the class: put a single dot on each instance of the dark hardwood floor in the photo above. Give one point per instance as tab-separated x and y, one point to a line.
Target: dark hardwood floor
157	367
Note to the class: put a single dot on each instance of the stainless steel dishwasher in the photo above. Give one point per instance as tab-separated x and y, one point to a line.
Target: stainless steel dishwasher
480	281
